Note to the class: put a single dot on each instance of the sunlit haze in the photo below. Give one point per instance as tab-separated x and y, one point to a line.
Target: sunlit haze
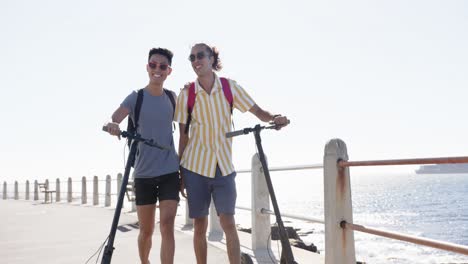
388	77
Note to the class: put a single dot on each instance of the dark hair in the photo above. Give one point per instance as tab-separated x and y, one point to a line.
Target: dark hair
213	51
161	51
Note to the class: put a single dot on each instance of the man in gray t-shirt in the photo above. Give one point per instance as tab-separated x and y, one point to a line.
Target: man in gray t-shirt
156	170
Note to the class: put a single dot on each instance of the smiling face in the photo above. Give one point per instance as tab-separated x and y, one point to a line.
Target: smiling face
202	60
158	69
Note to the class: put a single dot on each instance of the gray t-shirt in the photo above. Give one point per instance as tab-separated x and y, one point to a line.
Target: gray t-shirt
155	122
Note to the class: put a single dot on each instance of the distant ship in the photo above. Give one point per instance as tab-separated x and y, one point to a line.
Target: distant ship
443	169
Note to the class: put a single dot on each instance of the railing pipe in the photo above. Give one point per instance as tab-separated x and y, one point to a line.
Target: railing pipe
444	160
339	243
287	168
412	239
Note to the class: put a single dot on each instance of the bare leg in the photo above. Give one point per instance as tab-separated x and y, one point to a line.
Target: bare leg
232	239
168	210
199	239
146	220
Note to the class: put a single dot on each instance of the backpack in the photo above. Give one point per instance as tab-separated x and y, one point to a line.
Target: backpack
132	127
191	99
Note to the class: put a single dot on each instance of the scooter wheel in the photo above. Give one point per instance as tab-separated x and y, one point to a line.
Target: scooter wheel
246	259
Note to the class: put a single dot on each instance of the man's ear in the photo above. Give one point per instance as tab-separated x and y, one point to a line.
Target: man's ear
169	70
212	60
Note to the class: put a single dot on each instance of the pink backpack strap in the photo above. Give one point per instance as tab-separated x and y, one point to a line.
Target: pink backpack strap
227	91
191	98
190	104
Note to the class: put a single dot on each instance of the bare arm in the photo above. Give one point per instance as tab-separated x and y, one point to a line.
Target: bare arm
117	117
265	116
183	140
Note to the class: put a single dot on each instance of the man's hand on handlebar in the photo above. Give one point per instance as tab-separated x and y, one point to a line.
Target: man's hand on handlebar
280	121
113	129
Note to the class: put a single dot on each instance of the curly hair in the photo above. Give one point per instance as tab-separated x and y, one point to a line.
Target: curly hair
212	51
161	51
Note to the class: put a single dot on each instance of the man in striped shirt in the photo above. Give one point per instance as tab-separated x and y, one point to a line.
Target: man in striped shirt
206	154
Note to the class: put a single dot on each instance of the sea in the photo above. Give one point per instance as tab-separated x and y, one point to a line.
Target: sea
433	206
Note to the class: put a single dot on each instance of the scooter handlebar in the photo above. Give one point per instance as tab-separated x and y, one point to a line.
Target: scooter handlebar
235	133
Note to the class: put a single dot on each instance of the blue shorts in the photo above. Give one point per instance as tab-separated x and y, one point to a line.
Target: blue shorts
200	189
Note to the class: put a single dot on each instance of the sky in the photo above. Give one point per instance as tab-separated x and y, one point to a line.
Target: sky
387	77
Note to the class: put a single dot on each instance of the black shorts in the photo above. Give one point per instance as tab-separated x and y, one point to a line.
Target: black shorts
150	190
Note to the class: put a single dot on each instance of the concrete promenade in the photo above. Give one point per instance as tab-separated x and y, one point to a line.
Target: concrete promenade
34	232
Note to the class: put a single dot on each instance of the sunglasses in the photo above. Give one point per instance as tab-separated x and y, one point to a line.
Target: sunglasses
162	67
199	56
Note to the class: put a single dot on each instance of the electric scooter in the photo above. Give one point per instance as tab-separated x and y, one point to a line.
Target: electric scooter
136	139
287	256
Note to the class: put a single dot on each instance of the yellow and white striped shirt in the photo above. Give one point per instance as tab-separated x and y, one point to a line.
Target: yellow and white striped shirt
211	120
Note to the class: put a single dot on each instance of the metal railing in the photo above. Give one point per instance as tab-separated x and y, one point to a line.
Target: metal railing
339	225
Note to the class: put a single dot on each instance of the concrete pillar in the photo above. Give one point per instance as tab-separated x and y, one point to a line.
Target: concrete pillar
27	190
36	190
95	190
188	220
339	243
4	190
47	194
84	199
215	231
107	201
119	182
261	225
69	190
16	191
134	197
57	190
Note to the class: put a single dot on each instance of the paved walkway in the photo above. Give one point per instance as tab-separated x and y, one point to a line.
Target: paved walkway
34	232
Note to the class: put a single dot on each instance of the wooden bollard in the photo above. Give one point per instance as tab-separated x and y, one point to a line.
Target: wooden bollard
84	199
16	191
36	190
107	201
4	190
57	190
26	194
119	181
95	190
69	191
46	193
